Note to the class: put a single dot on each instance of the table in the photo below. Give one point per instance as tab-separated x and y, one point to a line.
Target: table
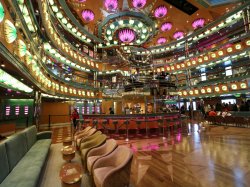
67	141
68	153
71	175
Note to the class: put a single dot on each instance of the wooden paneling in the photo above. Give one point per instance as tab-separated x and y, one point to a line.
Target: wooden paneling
55	108
106	105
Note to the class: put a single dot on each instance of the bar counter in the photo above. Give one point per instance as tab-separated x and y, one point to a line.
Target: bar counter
129	121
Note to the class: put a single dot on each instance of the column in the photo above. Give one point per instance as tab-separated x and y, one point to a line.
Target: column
37	108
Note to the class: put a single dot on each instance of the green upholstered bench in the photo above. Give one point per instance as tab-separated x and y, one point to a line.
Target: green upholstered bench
22	157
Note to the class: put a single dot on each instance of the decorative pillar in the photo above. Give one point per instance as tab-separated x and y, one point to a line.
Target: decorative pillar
37	108
85	105
95	80
246	19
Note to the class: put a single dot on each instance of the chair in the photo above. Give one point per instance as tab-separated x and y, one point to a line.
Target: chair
83	131
172	122
79	137
113	169
160	122
219	120
138	126
211	119
104	125
126	123
240	121
86	122
229	120
78	133
100	152
95	123
88	138
88	145
115	123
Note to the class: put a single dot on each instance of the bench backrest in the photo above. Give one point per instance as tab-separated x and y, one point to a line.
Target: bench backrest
14	148
31	136
4	164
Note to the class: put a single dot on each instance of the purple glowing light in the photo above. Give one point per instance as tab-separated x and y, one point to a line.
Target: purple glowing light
160	11
161	40
178	35
111	4
126	35
198	23
81	1
139	3
166	26
88	15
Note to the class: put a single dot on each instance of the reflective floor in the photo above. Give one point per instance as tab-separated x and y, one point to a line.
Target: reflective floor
216	157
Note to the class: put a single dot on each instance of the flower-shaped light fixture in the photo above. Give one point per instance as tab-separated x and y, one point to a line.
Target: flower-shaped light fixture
1	12
22	49
139	3
10	31
161	40
178	35
160	11
111	4
126	35
88	15
166	26
198	23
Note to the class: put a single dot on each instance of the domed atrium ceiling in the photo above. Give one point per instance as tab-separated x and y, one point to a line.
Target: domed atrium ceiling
75	48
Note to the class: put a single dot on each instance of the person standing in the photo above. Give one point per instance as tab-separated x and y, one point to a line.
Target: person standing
111	111
183	109
74	117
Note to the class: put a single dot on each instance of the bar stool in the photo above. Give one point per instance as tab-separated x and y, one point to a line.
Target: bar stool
95	123
115	123
172	122
138	124
161	124
126	122
104	125
86	122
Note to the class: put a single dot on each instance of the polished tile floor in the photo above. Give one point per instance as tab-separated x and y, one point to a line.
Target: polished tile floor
216	158
190	157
